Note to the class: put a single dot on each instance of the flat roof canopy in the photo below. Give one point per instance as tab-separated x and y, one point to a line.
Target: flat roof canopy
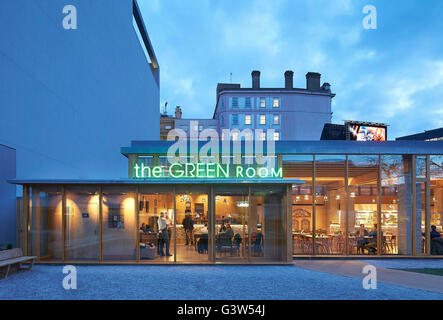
306	147
157	181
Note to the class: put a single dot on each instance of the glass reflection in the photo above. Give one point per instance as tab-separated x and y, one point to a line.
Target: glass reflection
192	225
330	204
82	223
119	223
266	223
301	167
363	204
436	175
46	240
396	208
231	222
155	214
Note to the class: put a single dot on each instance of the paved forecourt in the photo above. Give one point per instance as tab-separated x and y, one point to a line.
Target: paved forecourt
225	282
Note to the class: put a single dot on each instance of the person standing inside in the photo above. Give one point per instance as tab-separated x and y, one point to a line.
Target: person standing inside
188	225
163	234
434	232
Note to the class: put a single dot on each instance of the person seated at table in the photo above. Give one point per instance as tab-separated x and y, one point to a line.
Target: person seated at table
434	232
222	227
204	230
143	227
229	233
202	243
226	236
361	240
436	241
149	229
372	245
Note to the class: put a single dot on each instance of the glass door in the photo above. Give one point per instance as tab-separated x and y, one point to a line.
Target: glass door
250	223
155	218
231	223
422	208
267	224
191	224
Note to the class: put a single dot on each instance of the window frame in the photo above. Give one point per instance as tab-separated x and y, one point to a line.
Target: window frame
234	122
262	99
274	99
260	119
234	105
278	119
248	105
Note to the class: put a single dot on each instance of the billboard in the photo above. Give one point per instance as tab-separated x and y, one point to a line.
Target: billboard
367	132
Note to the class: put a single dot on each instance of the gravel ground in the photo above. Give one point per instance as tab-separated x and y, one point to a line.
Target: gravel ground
197	282
406	263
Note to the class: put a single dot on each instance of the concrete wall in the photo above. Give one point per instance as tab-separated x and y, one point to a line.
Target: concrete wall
69	99
8	215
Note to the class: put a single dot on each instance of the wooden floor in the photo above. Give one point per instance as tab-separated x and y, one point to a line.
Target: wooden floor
184	254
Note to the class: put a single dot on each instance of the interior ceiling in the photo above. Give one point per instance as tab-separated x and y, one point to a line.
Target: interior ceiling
327	170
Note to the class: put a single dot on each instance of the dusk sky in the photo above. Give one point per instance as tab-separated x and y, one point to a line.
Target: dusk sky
393	74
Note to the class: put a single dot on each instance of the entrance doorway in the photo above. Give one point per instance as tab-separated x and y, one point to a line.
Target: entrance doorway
231	223
250	223
218	223
191	223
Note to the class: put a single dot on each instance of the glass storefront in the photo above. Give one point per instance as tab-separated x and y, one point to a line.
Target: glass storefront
155	221
267	223
232	223
119	223
378	205
191	223
45	238
330	203
420	204
395	204
302	209
436	201
82	223
355	194
363	204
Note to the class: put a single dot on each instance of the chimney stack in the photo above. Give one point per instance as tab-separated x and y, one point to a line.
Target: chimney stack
255	79
313	81
178	112
289	79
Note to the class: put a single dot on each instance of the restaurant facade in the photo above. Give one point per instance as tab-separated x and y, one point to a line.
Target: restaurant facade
320	199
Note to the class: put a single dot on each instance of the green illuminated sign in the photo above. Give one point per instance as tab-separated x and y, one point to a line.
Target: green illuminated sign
205	171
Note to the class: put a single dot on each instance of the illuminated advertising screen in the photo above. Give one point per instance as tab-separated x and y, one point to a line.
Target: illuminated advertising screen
359	132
